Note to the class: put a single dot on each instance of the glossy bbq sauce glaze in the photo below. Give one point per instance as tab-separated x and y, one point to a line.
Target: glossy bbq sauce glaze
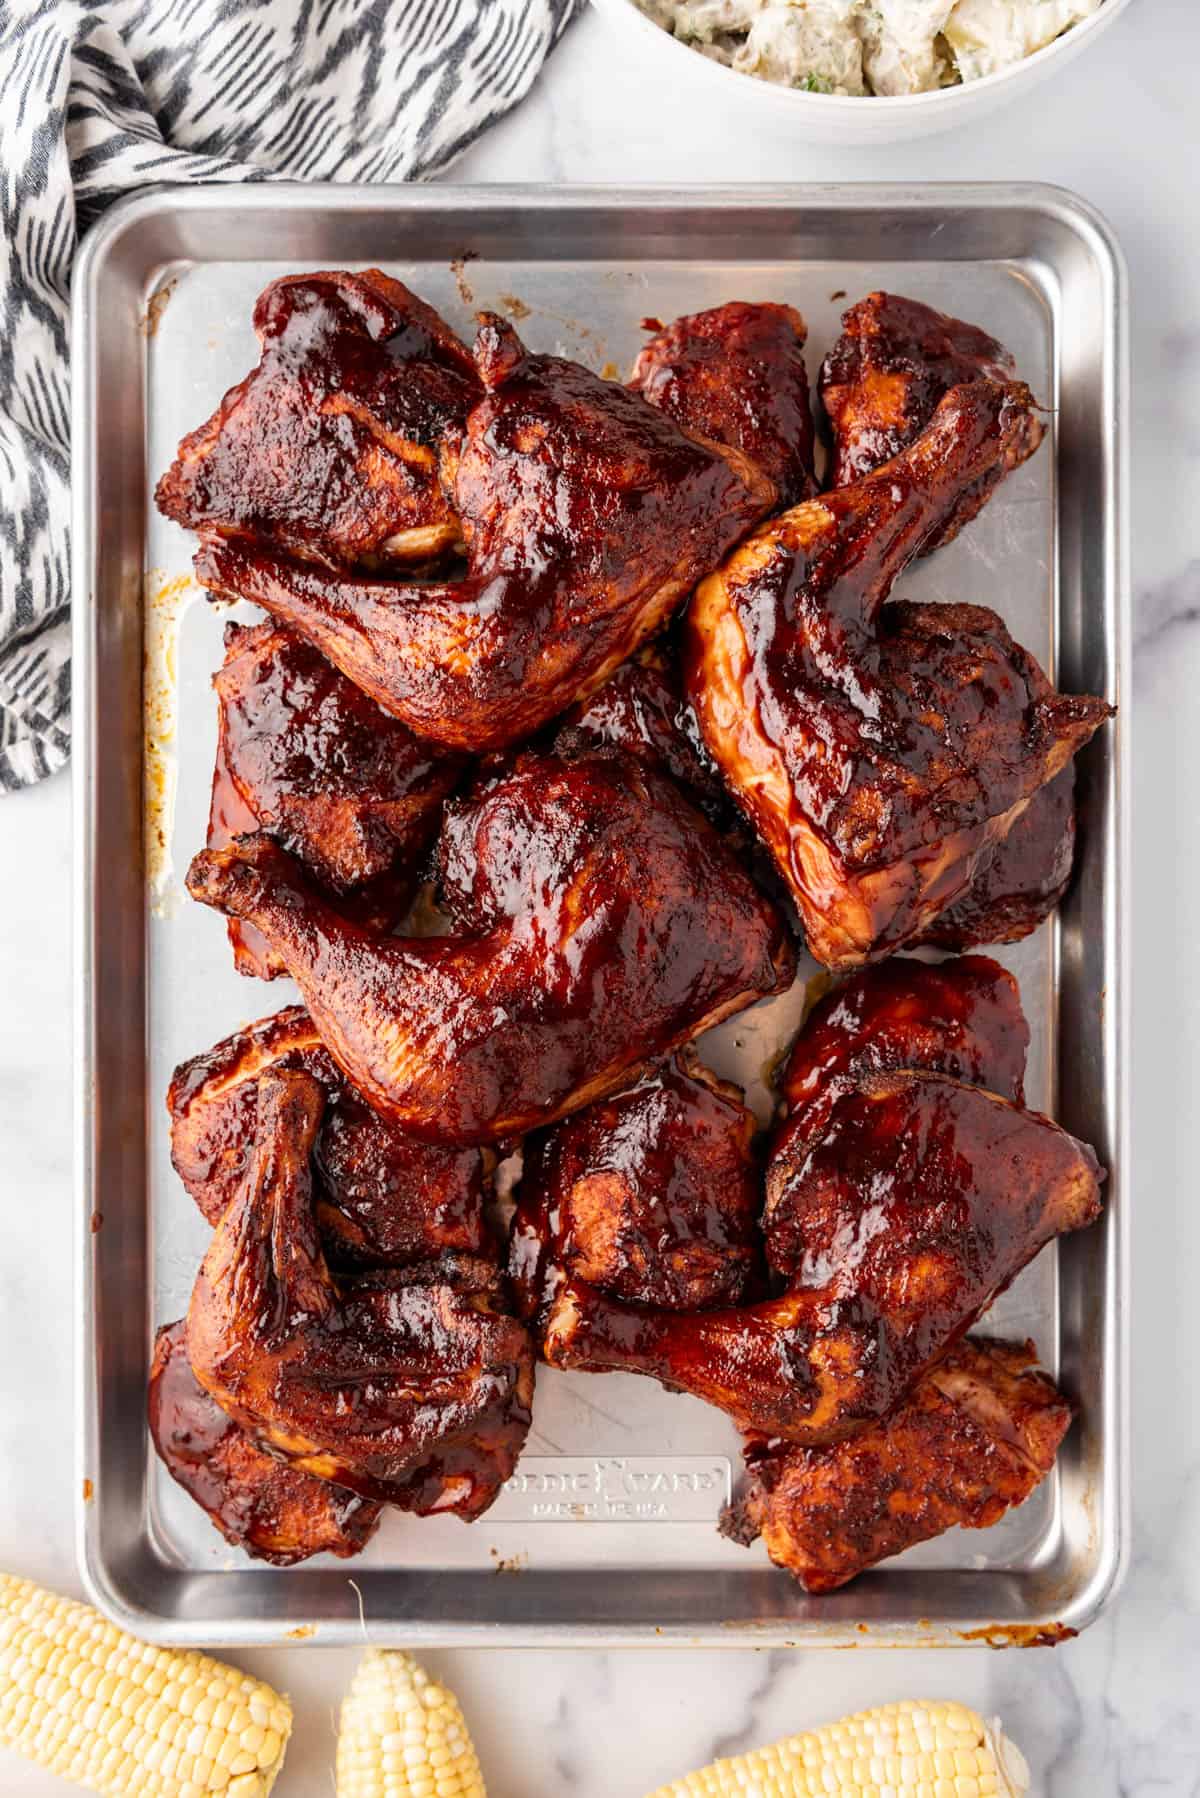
275	1512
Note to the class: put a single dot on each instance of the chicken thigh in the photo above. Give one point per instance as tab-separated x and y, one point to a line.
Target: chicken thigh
962	1018
642	710
329	448
1021	879
303	754
260	1503
736	375
973	1438
652	1195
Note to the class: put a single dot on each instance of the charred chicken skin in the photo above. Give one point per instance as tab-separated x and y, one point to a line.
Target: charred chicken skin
973	1438
597	921
881	383
736	375
383	1198
304	754
880	750
409	1387
258	1502
900	1202
329	448
588	517
652	1195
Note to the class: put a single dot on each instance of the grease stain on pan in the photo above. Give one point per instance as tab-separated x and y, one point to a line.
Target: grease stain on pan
165	602
458	268
517	1563
155	307
1019	1635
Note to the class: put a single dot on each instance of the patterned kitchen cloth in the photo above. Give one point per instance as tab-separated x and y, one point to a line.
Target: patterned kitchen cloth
96	100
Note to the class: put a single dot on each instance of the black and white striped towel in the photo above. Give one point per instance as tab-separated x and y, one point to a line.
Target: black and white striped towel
96	100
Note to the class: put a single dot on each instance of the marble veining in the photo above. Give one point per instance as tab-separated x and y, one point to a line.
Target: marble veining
1115	1714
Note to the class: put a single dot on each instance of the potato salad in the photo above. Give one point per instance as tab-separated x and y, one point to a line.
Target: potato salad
868	46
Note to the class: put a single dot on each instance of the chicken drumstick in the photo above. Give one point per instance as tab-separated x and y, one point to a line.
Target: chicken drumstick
383	1198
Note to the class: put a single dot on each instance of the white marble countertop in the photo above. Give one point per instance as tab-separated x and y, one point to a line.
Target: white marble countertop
1117	1711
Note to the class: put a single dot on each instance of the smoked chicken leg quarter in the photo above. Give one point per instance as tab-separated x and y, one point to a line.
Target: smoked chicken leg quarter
882	751
597	921
588	516
410	1386
904	1192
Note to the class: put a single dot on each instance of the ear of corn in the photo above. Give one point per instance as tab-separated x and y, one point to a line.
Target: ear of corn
93	1704
908	1750
402	1735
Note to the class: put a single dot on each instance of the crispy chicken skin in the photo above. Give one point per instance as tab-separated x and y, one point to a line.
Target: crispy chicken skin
736	375
901	1199
383	1198
408	1387
883	379
652	1195
588	517
258	1502
329	448
972	1439
304	754
597	921
881	750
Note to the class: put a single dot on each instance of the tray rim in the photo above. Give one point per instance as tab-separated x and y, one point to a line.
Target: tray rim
102	241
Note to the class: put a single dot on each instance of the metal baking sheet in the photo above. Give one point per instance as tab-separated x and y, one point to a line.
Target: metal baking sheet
607	1532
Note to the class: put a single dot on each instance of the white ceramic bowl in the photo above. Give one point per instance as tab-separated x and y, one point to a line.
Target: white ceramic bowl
839	118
